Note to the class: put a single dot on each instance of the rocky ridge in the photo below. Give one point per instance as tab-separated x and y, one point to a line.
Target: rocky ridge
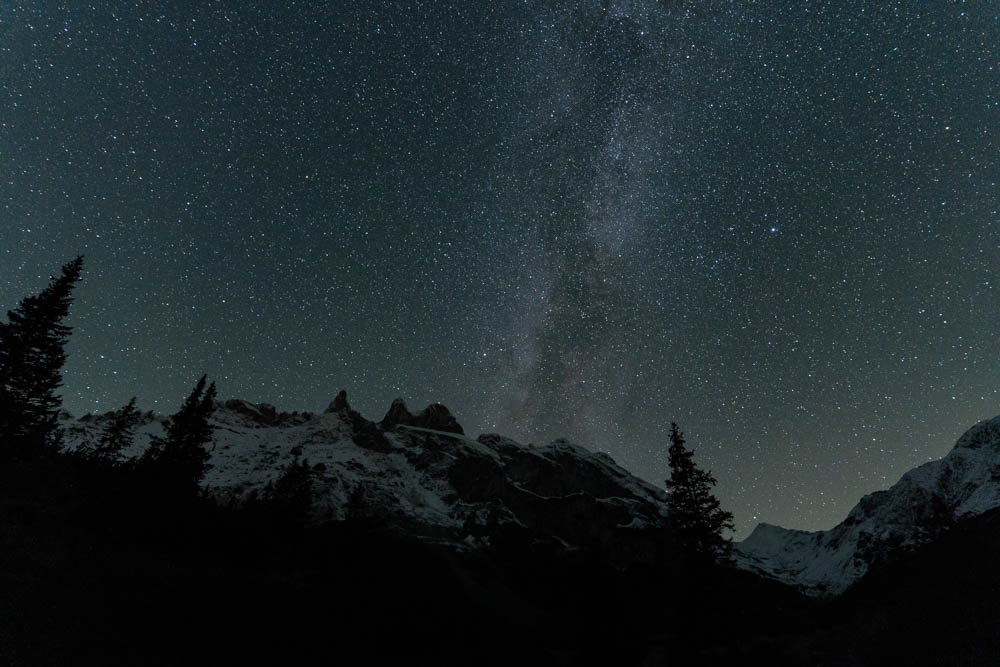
419	474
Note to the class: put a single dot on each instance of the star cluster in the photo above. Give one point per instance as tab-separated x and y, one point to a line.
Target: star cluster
777	223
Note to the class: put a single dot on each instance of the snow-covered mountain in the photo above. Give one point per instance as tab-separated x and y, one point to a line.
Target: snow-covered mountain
421	475
918	508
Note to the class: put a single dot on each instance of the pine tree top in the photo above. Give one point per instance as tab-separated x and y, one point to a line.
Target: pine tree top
697	519
32	354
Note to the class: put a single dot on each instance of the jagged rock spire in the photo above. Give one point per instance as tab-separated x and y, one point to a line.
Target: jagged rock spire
339	404
398	414
436	416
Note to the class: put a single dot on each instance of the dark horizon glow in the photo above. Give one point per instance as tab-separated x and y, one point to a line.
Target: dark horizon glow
776	224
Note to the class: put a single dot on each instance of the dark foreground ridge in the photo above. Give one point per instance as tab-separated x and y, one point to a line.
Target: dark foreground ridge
532	555
98	571
541	555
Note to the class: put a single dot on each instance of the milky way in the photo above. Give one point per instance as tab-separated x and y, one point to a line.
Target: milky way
774	223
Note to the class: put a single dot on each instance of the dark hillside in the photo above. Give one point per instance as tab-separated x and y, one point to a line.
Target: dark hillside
98	570
939	605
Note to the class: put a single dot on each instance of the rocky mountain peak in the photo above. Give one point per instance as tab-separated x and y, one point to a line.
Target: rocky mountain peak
339	403
926	502
984	434
439	418
398	414
435	416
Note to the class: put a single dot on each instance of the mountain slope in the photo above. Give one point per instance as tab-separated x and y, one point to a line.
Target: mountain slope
937	605
922	505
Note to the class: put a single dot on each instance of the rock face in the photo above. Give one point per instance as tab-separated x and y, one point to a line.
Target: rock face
925	502
397	414
435	417
363	432
419	474
339	403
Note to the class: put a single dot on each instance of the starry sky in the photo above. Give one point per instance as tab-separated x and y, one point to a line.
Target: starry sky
776	223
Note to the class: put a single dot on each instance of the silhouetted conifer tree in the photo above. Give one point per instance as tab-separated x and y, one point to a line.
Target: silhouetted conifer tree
31	359
117	433
695	516
291	495
181	456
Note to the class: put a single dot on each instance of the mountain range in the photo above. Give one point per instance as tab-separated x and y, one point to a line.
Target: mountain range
422	541
420	475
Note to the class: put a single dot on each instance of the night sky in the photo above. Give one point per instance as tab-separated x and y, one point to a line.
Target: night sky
776	223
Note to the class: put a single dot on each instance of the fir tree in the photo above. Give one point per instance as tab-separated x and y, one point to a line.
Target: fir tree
117	433
181	456
32	355
697	520
291	495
